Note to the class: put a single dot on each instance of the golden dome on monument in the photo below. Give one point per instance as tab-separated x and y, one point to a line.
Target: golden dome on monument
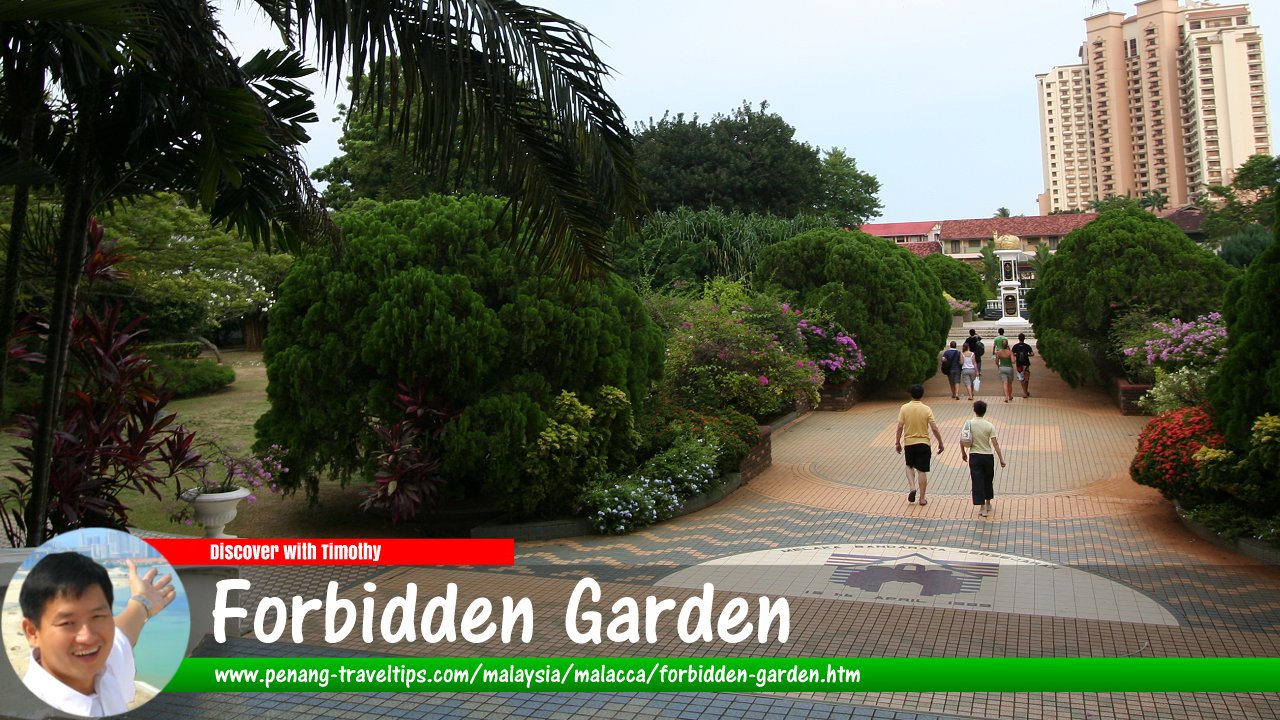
1008	242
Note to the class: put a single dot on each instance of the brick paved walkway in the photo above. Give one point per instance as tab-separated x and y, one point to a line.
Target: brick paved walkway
1076	561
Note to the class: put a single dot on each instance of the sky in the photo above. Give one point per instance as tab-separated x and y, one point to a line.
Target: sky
936	98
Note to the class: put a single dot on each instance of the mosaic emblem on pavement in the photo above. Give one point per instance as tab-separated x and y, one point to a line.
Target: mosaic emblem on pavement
916	575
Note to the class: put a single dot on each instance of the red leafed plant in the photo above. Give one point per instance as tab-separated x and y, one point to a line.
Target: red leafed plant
1166	447
408	477
113	431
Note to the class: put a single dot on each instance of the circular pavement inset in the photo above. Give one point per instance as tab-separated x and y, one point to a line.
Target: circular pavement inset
917	575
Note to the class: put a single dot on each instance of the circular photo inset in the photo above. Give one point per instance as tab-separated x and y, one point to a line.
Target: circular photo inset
95	622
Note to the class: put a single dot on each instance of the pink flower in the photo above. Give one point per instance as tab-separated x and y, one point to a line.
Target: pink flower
763	380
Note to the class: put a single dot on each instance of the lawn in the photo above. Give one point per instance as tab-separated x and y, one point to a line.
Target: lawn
227	417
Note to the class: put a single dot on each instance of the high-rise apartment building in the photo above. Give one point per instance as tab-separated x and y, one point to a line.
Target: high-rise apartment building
1170	99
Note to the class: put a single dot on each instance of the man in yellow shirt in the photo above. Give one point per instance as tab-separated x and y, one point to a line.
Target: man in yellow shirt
915	420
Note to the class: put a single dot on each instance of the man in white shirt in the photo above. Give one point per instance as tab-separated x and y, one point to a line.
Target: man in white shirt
79	663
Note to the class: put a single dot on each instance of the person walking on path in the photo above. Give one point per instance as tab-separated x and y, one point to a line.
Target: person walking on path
968	369
1004	362
951	367
1022	353
974	343
977	442
915	420
1000	341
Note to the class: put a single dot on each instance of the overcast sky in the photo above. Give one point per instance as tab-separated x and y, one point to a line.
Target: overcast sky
936	98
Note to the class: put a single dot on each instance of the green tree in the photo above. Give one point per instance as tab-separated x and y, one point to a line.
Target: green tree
1001	212
683	248
1125	260
880	293
1247	383
747	161
185	275
958	279
990	269
151	99
425	295
1112	202
138	110
1250	199
373	163
1240	249
848	195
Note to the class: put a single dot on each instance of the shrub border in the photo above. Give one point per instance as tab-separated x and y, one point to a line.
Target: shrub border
573	527
1254	549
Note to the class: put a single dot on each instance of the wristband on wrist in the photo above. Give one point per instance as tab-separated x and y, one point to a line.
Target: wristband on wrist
144	602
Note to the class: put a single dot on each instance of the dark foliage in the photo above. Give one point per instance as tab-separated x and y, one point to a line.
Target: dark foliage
880	293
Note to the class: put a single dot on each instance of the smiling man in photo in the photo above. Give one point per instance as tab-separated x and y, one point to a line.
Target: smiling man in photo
81	656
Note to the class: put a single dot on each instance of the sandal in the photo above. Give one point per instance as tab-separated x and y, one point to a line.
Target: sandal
923	501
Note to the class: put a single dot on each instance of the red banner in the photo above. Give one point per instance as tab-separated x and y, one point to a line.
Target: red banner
335	551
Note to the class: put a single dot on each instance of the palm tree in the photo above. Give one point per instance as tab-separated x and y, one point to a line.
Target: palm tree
1001	212
151	99
1154	200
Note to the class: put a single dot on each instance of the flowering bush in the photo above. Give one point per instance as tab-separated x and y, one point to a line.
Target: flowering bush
836	353
1181	388
1177	344
616	507
958	307
1249	478
718	360
655	492
732	433
1165	459
239	469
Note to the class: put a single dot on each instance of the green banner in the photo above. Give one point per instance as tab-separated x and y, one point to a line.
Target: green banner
727	675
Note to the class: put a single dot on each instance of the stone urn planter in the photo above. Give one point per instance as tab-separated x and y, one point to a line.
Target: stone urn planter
214	510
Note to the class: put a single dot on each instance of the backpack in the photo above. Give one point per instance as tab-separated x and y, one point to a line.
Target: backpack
978	349
948	360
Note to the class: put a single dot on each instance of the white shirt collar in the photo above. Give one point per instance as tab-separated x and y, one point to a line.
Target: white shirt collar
114	685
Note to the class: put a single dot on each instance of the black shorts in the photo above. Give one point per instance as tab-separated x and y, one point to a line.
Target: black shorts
918	456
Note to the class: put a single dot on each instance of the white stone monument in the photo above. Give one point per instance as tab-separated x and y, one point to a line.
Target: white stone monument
1008	250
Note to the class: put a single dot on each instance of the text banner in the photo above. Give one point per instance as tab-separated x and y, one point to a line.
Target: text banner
727	675
333	551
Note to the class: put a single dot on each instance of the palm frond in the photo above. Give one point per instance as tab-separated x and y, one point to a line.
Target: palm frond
470	71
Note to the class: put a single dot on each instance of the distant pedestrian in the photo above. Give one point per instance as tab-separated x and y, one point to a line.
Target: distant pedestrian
1004	362
1022	353
968	370
915	421
951	367
974	343
977	442
1000	341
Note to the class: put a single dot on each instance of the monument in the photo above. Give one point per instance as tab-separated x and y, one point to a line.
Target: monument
1008	250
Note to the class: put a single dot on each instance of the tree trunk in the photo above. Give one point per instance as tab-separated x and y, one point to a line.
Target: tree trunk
26	92
69	263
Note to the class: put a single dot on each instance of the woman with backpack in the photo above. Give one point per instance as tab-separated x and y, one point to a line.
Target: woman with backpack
951	368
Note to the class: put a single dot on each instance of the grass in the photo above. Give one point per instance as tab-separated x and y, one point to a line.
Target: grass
227	417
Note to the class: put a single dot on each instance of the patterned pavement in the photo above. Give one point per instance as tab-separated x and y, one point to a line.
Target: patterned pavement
829	522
